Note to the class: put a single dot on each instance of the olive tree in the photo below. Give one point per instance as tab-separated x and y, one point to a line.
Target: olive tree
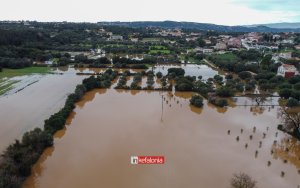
242	180
290	119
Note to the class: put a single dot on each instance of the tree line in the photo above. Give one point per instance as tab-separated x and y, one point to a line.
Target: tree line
19	157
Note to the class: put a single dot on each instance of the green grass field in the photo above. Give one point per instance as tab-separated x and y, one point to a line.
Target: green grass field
6	85
9	73
158	49
150	40
287	50
118	45
227	57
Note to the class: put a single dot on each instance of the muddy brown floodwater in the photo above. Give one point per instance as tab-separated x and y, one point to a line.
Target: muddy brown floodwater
202	147
27	109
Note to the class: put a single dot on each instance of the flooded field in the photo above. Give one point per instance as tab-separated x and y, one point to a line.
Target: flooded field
202	147
33	100
191	70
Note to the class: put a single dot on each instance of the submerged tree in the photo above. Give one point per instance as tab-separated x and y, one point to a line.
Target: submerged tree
291	120
242	180
197	101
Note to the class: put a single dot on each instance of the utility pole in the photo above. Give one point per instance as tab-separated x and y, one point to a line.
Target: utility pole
162	108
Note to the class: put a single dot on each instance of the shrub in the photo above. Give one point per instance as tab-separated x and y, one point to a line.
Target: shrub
202	88
176	71
218	101
228	76
139	66
218	78
249	87
159	75
224	92
184	84
297	86
285	86
18	158
196	100
285	93
221	102
294	79
242	181
295	94
239	87
292	102
244	75
277	79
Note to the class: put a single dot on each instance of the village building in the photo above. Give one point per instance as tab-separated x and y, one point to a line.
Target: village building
287	70
116	37
221	46
234	42
286	55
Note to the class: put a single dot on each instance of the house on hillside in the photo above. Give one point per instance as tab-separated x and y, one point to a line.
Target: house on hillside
286	55
203	50
297	47
234	42
221	46
134	39
287	70
49	62
116	37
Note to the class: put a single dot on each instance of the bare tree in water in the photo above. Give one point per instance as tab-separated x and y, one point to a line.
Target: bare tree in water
290	119
242	180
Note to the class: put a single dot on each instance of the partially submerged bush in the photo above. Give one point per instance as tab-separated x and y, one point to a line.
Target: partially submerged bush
219	102
196	100
242	180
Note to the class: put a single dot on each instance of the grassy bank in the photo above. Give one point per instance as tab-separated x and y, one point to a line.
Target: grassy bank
9	73
6	85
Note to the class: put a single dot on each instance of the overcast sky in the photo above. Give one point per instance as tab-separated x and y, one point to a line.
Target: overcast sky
226	12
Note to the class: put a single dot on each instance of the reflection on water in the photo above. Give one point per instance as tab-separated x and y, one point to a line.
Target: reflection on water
89	97
218	109
191	70
195	109
108	128
38	169
288	150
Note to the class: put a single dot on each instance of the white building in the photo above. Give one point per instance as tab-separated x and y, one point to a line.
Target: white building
297	47
203	50
287	70
49	62
221	46
134	39
207	50
116	37
287	41
286	55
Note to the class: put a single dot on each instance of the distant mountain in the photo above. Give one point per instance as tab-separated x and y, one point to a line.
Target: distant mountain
200	26
283	25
